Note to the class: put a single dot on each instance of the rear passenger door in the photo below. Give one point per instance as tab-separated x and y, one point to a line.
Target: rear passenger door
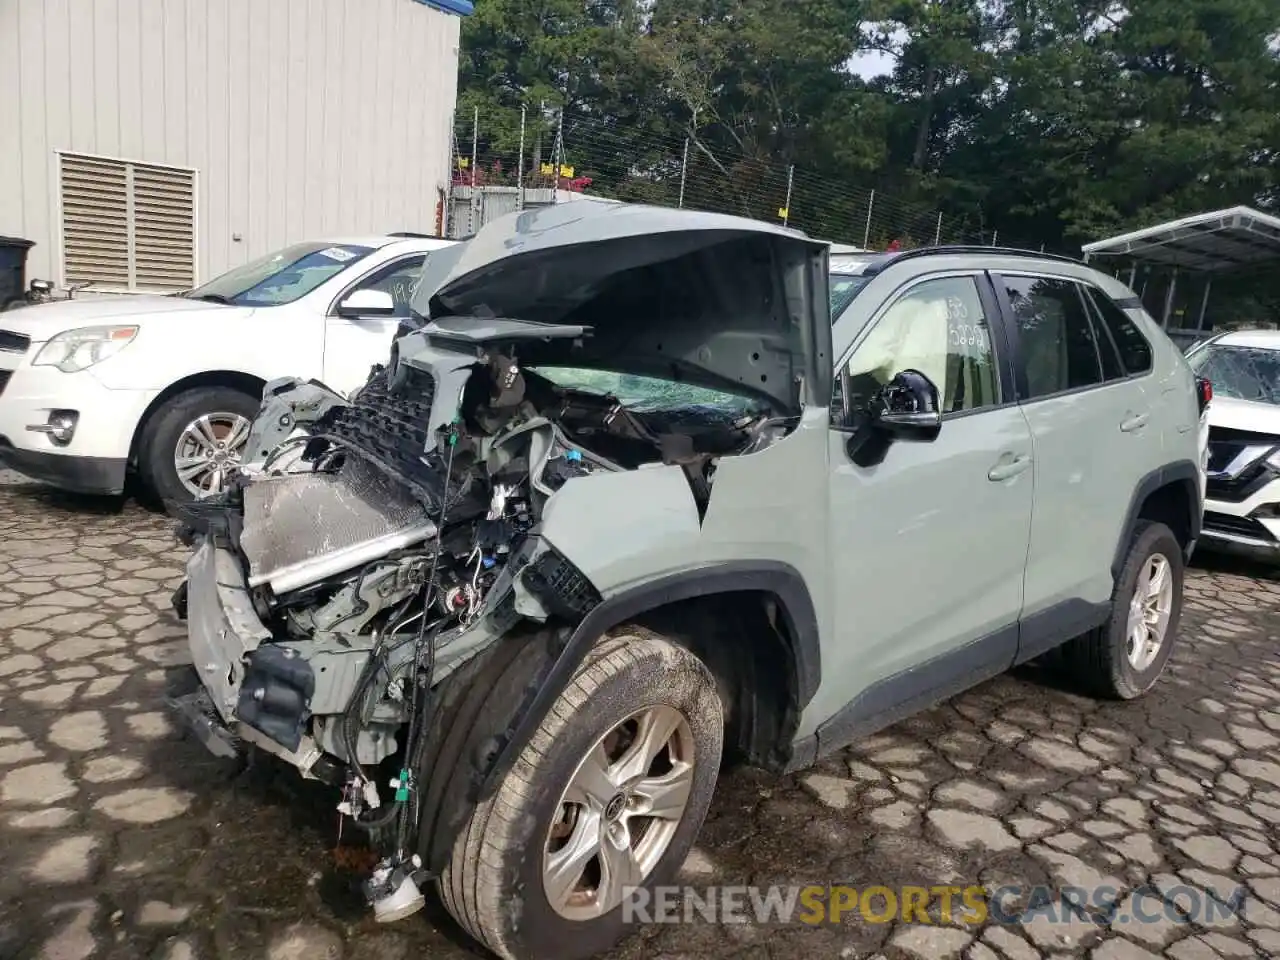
1090	427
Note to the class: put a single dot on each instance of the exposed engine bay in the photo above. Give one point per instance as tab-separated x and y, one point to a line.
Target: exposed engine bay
363	535
372	546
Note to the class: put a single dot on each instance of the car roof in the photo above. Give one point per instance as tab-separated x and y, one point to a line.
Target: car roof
870	262
378	241
1260	339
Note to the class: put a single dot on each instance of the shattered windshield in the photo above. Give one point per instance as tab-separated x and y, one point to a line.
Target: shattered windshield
1242	373
280	277
843	288
641	393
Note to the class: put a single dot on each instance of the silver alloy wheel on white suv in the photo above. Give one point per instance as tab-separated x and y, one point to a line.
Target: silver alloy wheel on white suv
209	452
191	445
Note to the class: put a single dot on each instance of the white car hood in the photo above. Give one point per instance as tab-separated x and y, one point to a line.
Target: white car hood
42	321
1249	415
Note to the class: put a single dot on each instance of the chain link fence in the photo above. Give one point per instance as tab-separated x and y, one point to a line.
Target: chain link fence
515	160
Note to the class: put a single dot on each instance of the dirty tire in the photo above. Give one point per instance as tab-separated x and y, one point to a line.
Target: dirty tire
160	434
493	882
1097	661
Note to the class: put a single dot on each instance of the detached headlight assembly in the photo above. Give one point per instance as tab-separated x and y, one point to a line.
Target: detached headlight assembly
74	350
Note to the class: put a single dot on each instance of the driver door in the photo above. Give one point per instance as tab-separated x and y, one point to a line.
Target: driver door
929	544
354	340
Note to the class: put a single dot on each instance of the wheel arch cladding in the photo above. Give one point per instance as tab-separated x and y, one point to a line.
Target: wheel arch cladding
779	580
234	379
1169	495
555	658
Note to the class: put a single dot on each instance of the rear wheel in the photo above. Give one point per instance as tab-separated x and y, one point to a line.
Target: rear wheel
1124	658
605	800
193	444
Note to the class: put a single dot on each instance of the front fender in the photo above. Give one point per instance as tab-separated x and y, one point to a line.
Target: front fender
534	670
783	581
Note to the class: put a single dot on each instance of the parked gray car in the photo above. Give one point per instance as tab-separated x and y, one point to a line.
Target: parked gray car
632	500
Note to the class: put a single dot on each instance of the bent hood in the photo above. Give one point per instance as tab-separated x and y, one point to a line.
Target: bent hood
1247	415
716	300
45	320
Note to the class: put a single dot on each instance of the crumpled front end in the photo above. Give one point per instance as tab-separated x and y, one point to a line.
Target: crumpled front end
318	557
380	555
318	580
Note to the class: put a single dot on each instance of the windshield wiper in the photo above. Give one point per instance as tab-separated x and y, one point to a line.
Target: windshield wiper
211	298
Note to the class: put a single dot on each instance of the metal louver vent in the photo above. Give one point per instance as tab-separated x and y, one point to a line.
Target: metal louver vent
163	228
95	221
127	225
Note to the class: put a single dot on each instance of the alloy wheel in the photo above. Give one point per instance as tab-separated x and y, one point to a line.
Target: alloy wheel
619	813
1149	612
209	451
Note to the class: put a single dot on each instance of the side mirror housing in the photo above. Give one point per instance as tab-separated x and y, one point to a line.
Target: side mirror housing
908	408
367	303
905	408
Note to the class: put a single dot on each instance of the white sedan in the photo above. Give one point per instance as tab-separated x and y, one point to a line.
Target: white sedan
168	385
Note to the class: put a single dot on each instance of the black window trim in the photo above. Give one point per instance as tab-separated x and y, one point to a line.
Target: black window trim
1010	324
389	265
1099	322
1095	291
995	326
1094	320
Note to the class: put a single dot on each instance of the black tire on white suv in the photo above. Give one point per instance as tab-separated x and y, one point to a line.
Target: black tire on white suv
495	883
1102	661
160	434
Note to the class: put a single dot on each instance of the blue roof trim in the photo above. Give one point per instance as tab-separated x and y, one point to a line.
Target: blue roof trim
463	8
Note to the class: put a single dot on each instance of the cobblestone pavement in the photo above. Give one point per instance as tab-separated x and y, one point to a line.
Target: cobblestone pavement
121	839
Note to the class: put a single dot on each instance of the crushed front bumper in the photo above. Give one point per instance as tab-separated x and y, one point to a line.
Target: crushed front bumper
192	706
222	627
243	689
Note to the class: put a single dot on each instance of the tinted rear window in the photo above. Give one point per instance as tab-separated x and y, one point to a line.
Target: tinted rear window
1135	352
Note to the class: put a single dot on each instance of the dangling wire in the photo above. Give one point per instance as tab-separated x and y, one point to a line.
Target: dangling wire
422	685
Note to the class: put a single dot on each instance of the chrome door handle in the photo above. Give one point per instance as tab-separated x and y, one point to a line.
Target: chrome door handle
1009	468
1133	423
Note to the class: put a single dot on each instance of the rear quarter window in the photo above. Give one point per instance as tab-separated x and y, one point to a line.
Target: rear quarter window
1134	349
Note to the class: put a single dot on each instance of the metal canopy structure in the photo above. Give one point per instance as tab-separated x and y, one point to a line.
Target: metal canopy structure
1212	244
1207	242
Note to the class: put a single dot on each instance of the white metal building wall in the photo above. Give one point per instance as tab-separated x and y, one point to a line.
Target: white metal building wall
301	118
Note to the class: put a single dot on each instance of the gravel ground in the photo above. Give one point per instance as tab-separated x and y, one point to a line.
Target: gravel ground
121	839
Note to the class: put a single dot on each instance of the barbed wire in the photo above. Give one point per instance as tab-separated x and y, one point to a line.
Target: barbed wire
536	151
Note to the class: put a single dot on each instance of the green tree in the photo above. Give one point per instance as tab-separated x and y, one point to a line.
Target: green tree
1053	121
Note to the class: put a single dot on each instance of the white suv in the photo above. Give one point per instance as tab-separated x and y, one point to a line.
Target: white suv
168	385
1242	507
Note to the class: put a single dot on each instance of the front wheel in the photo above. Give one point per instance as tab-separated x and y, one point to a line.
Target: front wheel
193	444
602	805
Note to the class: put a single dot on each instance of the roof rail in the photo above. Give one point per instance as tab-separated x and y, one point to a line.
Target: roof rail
989	251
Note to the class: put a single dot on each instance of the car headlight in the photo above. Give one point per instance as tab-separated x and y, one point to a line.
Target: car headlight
74	350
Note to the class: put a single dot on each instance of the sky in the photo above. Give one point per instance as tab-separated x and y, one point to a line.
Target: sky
871	64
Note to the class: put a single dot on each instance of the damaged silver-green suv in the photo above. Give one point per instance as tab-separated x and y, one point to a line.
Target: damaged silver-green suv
642	490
